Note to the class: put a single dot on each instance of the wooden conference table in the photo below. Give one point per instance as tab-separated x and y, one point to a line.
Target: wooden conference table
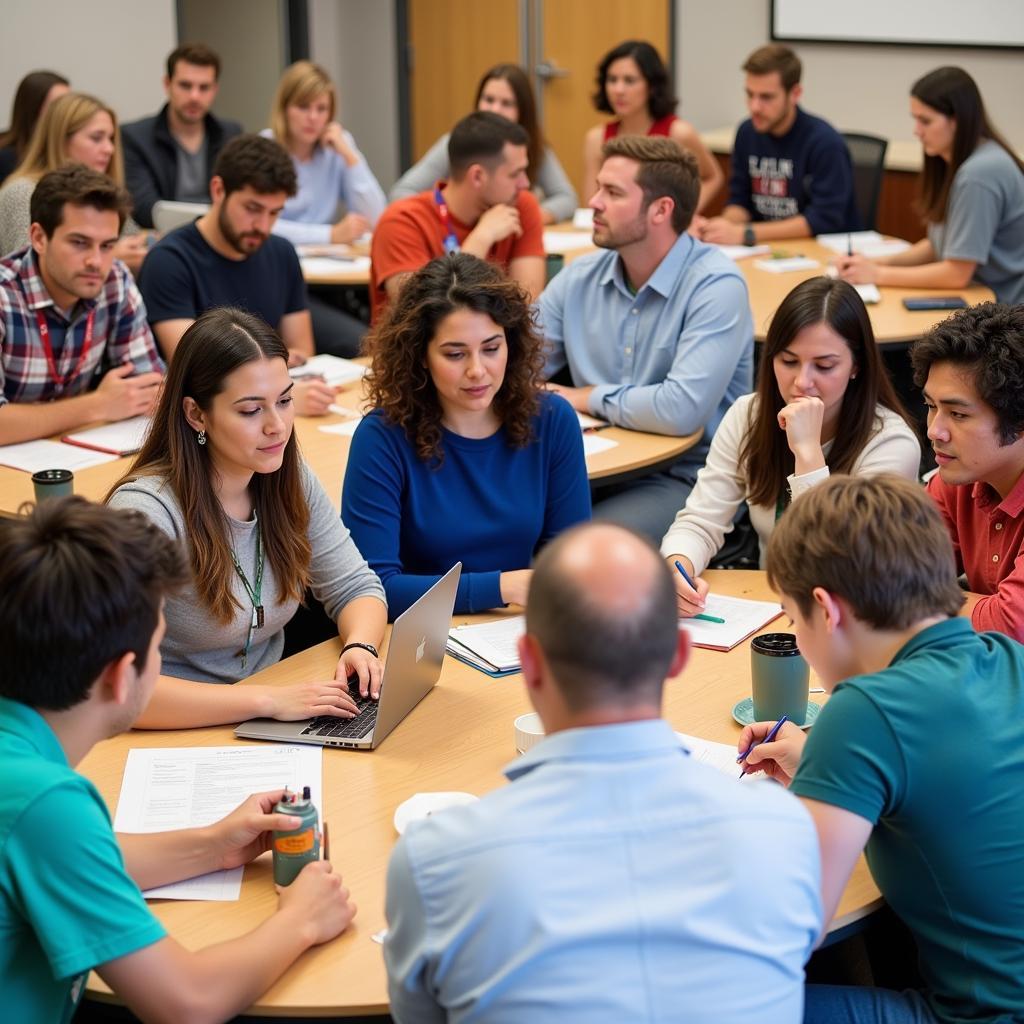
892	323
327	455
459	738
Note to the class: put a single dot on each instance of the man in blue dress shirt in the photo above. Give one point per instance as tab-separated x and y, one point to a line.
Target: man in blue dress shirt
614	878
656	330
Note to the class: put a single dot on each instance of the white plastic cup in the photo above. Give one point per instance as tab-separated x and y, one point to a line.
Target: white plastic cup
529	732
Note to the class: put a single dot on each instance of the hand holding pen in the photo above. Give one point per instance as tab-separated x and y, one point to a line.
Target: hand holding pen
691	594
772	748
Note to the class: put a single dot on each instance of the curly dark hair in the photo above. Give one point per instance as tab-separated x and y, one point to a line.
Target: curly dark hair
987	341
661	100
400	383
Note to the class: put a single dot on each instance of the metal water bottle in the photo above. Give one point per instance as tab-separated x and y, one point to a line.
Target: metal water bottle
295	848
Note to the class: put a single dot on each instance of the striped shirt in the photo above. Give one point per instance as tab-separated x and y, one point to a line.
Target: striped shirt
120	333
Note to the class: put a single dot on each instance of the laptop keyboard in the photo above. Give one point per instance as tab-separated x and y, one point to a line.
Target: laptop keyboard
348	728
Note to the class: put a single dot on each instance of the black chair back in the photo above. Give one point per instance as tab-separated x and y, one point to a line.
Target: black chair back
868	155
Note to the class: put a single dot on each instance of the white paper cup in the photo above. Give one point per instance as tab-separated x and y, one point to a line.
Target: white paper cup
529	732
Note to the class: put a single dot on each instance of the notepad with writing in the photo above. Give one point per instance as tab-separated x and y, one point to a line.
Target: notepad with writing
743	618
720	756
488	646
122	438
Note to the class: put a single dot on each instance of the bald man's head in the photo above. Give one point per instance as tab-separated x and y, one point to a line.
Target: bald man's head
602	607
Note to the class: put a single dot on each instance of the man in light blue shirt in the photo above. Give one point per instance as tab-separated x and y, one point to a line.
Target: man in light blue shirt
613	879
656	331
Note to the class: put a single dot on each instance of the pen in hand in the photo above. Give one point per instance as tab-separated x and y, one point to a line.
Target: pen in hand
771	735
693	587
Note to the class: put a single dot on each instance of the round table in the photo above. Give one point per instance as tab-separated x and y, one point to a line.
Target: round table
362	790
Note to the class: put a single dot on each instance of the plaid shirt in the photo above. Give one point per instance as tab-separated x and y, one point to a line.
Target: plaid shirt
120	333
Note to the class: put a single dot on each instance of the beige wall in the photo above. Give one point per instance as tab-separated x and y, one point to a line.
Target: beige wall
249	36
355	42
112	48
855	87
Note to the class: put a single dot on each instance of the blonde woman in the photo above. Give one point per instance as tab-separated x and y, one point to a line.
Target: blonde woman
75	128
327	161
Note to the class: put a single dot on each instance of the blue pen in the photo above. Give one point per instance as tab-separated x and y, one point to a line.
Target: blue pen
771	735
693	586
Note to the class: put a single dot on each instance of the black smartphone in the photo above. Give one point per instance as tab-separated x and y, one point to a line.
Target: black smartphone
936	302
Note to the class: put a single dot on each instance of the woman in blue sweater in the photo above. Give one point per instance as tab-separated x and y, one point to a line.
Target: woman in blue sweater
464	457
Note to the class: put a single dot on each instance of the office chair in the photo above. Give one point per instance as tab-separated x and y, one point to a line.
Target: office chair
868	155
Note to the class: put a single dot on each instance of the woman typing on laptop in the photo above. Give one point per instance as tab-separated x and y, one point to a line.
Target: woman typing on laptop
465	458
220	471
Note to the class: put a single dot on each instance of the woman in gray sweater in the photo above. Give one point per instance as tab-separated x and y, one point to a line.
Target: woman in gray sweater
504	89
221	473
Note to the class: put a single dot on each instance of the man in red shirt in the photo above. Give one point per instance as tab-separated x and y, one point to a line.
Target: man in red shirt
486	209
971	367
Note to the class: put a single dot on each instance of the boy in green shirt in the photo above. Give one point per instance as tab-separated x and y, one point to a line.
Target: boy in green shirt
81	596
917	758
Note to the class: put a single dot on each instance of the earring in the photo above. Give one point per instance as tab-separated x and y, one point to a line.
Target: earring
201	437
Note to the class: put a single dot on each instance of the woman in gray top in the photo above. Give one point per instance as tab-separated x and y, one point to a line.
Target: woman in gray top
972	198
504	89
220	472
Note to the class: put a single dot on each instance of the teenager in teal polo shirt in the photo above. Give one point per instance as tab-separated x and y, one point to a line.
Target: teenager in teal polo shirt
81	594
917	758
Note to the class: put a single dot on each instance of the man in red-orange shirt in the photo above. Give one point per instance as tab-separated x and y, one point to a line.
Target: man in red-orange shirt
486	209
971	367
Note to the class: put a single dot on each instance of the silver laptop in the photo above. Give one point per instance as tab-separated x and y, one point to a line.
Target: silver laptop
168	214
418	641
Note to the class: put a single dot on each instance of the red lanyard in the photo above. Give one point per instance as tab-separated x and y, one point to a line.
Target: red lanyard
451	241
44	334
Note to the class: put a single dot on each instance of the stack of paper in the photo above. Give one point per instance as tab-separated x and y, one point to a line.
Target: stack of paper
742	618
188	787
786	264
741	252
33	456
864	243
325	266
334	370
488	646
122	438
567	241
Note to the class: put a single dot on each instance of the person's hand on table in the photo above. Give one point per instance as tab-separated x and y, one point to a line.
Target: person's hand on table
245	833
122	395
515	586
307	700
367	669
719	231
697	223
349	228
578	398
312	396
322	907
856	269
131	250
689	602
779	759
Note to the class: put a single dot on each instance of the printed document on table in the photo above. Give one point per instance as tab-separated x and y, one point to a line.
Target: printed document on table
719	756
185	787
122	438
33	456
492	644
325	266
742	618
567	241
594	443
334	370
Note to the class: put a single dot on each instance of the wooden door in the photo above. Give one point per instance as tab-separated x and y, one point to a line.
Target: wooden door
453	42
575	35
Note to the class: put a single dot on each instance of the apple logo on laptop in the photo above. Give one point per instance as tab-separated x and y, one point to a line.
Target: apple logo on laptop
420	648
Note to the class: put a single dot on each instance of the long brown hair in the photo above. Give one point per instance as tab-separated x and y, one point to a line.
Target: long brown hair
519	83
953	93
400	383
765	457
47	149
217	344
28	102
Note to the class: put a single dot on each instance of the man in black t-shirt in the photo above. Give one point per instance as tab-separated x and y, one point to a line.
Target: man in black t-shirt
228	257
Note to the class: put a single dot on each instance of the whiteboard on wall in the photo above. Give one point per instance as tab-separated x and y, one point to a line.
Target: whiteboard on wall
985	23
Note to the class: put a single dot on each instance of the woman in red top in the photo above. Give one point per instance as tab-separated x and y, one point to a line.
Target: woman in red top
633	84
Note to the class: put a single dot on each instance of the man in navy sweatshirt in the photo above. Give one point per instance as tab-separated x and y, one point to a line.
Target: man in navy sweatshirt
791	171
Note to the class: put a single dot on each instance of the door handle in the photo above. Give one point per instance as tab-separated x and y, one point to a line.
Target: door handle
547	70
